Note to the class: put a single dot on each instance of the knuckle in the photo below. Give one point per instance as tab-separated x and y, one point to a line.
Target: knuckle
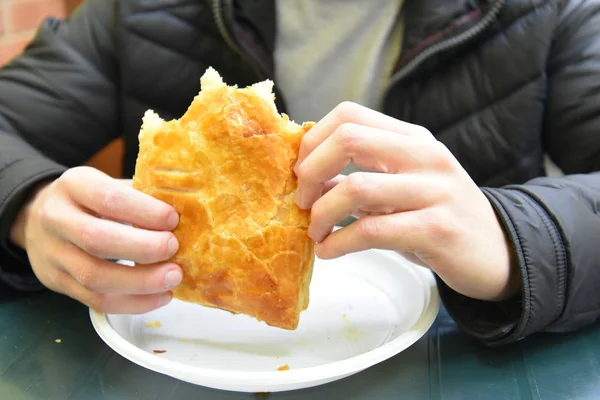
358	185
97	302
111	198
317	212
443	191
369	227
87	277
348	136
307	144
91	238
419	130
46	213
50	213
70	177
439	226
304	172
444	159
55	279
347	111
74	177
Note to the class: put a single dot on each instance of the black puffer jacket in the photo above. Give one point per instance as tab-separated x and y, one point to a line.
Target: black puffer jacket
499	82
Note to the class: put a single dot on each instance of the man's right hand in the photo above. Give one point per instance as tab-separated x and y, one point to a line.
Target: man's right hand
72	225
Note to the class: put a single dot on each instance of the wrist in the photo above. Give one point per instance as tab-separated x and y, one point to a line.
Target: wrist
513	283
18	230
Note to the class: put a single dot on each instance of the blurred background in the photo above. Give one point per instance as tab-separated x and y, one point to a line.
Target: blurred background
19	20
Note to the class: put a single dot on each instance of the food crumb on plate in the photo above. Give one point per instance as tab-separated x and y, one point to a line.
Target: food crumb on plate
352	334
284	368
153	324
58	340
159	351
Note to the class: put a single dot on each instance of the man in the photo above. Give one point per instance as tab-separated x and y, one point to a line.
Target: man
460	100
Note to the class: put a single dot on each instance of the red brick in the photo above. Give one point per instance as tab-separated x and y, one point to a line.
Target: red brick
12	45
28	14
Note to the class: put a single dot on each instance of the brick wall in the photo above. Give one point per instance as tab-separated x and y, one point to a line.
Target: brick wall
19	20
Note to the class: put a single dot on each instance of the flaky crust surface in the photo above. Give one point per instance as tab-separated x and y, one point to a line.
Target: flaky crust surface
227	167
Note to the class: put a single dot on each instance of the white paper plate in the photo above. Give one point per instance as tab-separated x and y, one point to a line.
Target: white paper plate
364	309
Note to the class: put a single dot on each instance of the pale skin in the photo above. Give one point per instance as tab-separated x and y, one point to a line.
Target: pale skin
420	202
69	229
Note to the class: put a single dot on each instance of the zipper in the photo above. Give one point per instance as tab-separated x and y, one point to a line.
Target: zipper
447	44
559	248
218	9
221	6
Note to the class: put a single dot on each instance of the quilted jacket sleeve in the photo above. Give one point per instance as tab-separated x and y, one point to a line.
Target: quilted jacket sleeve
57	108
554	223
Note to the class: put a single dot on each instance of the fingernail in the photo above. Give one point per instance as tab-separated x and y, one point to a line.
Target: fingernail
172	279
173	245
173	220
164	300
319	249
313	234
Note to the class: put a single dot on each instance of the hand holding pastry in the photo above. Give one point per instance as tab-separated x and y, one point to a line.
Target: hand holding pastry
419	201
74	224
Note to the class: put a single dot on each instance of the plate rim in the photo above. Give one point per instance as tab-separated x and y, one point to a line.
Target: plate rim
321	372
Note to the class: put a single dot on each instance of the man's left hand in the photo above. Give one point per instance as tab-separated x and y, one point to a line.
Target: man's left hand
418	201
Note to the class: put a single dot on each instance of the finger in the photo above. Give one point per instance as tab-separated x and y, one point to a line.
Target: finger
414	259
126	182
108	239
327	186
371	193
330	184
116	200
112	303
102	276
369	149
349	112
405	232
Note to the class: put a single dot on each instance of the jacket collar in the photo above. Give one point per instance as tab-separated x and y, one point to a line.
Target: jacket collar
423	18
426	24
426	18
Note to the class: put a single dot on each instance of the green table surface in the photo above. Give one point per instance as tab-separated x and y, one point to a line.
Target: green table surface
444	364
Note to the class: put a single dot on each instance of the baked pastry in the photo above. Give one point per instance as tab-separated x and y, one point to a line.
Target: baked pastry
227	167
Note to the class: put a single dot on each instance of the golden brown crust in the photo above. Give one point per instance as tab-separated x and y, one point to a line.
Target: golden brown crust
227	167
